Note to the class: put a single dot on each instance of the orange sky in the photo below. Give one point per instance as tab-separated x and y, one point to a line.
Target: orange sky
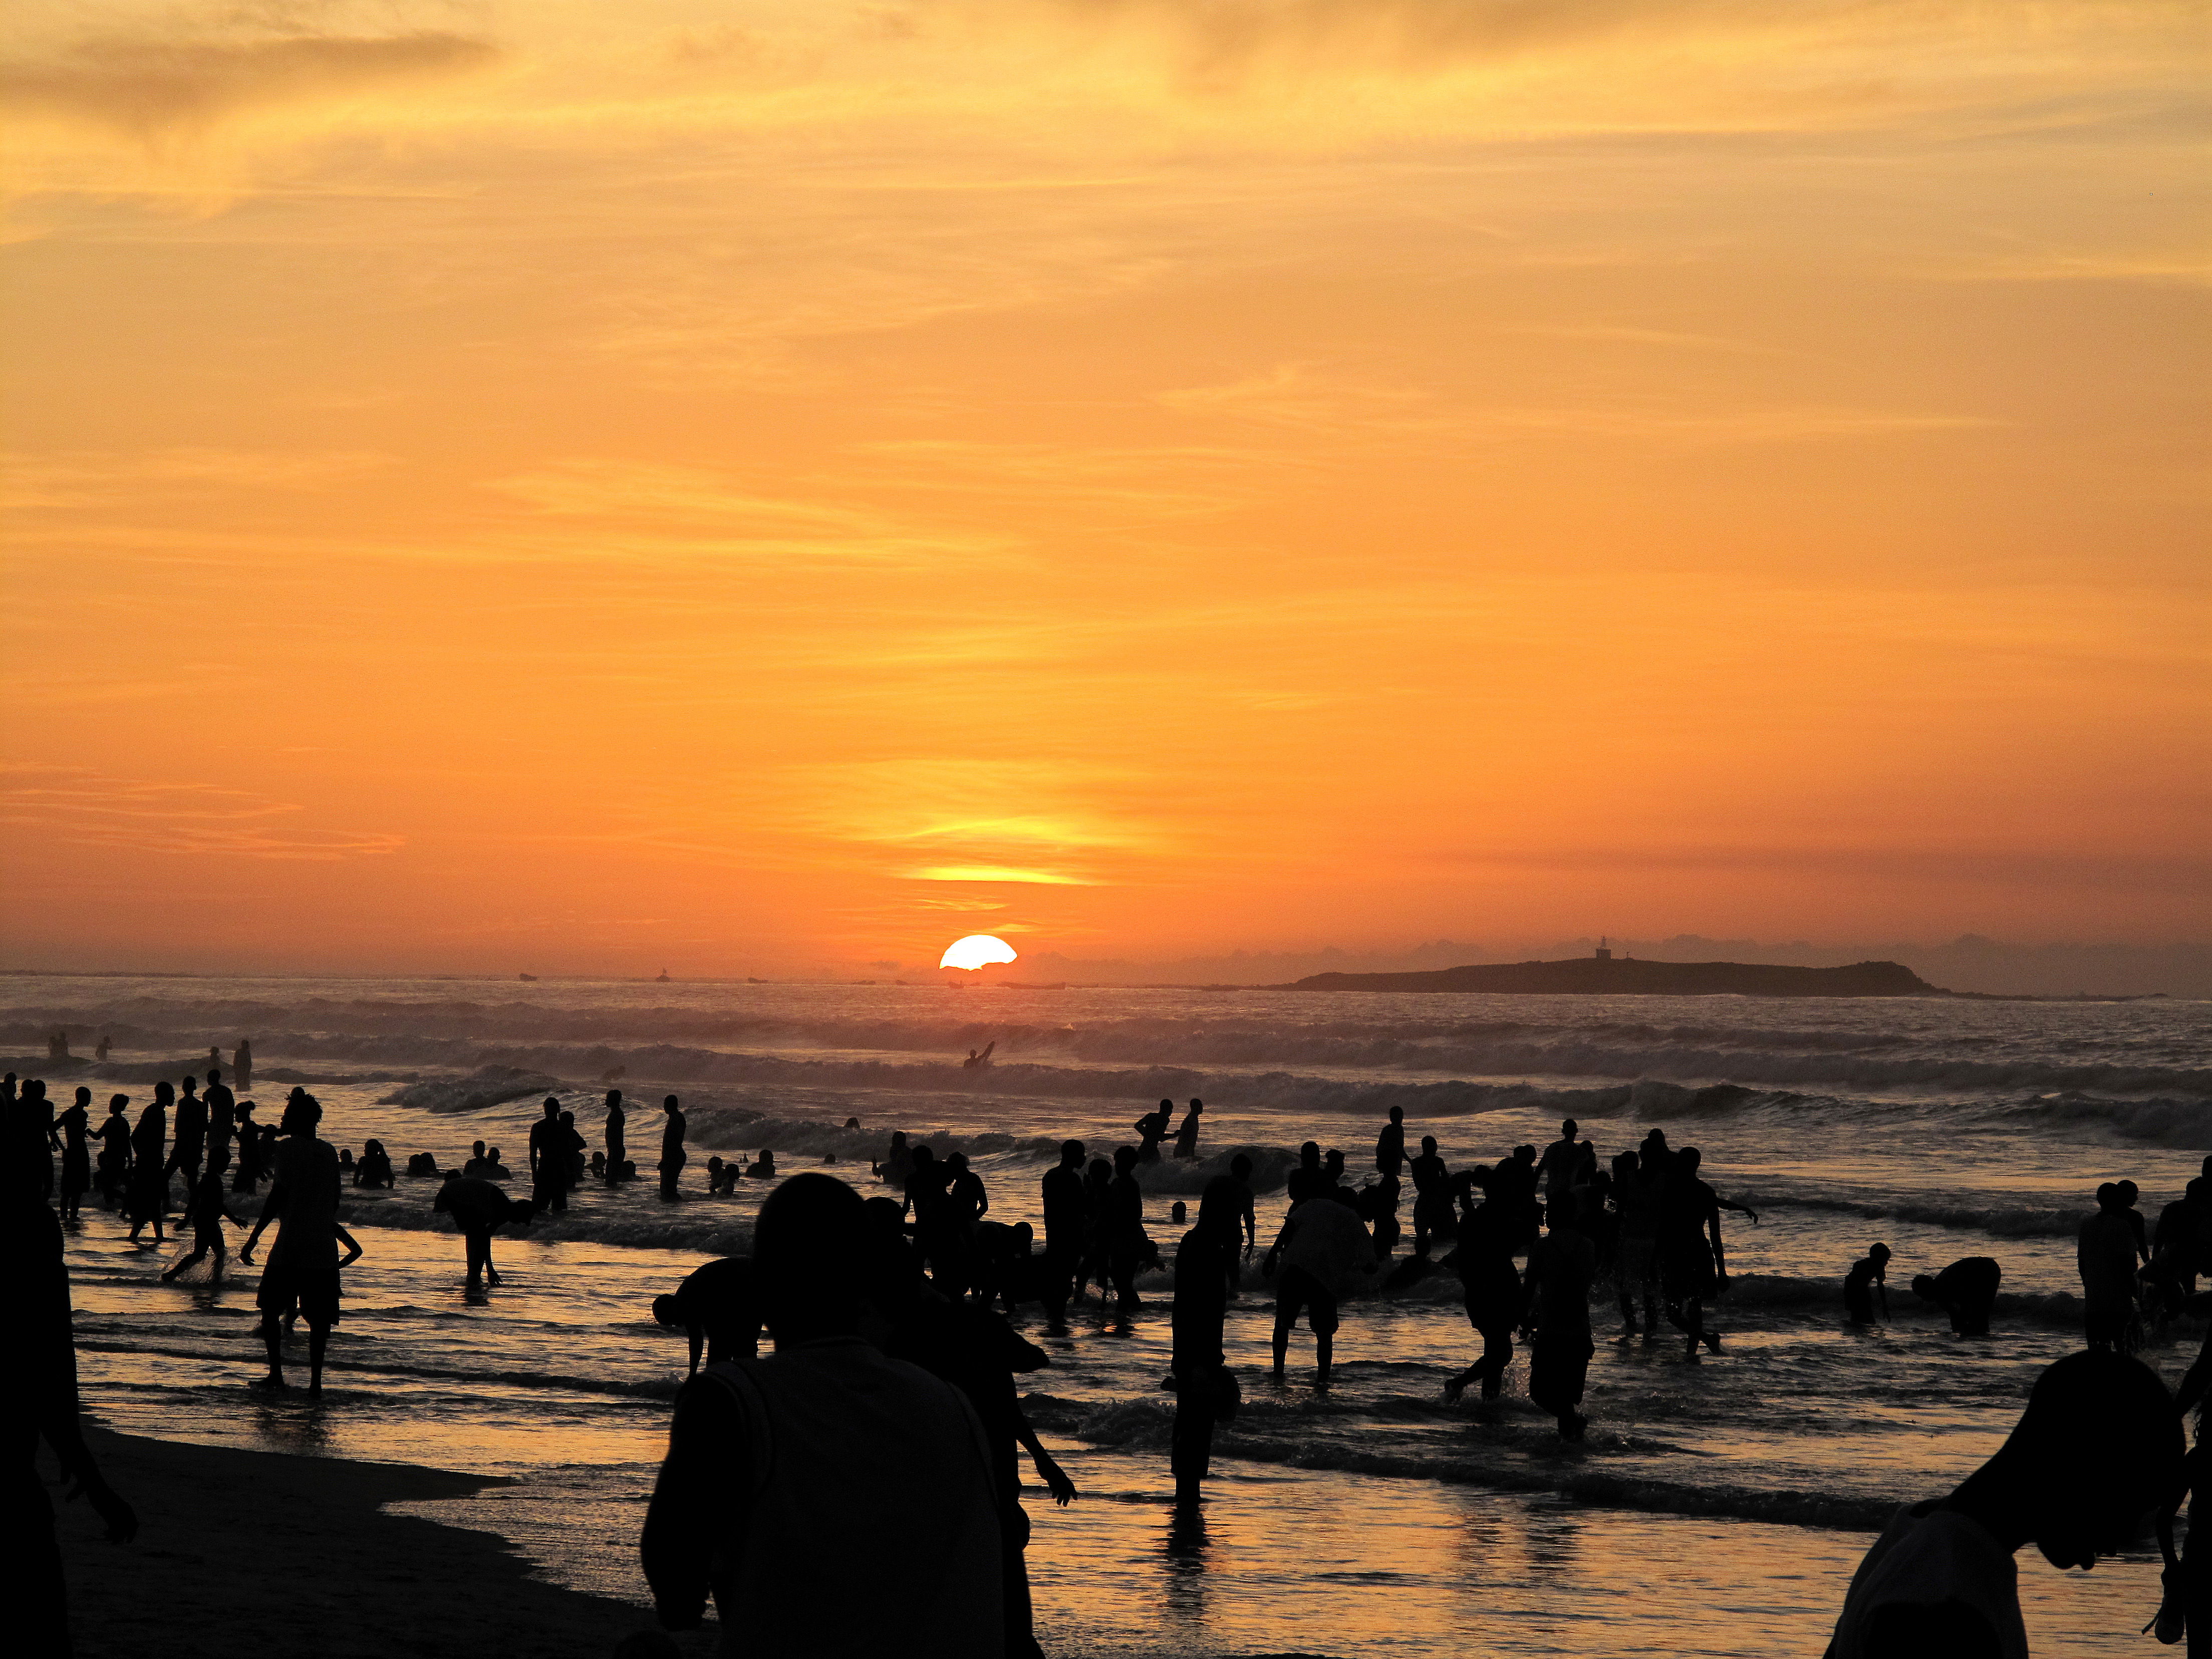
761	487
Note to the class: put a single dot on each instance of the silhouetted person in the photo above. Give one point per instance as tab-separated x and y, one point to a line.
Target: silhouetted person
1513	1187
1205	1392
672	1155
2098	1450
977	1059
73	1126
31	1128
2105	1254
1431	1196
549	1159
1635	1193
1560	1268
1152	1128
115	1152
150	1181
1390	1144
479	1210
100	1049
241	1063
1566	1165
1693	1262
250	1157
617	1136
1186	1140
979	1353
898	1162
302	1272
718	1307
1492	1291
189	1127
1065	1219
208	1213
1306	1180
572	1157
1868	1275
221	1107
1321	1243
37	1393
1240	1171
1127	1245
789	1480
1966	1289
374	1168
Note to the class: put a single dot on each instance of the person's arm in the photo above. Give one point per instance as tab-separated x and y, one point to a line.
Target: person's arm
1275	1250
271	1208
1055	1478
1740	1209
353	1251
1251	1222
703	1496
1720	1255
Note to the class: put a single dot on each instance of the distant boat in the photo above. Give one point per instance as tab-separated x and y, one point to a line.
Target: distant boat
527	978
663	980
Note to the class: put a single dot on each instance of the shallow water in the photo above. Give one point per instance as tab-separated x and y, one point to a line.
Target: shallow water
1370	1518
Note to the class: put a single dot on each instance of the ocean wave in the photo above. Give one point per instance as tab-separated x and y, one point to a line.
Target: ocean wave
667	1039
1527	1462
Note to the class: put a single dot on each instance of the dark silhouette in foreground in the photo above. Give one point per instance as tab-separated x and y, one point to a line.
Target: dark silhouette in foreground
479	1209
790	1479
718	1307
42	1405
2096	1454
1206	1262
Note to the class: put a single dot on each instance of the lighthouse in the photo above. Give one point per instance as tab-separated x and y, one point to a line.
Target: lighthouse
1604	951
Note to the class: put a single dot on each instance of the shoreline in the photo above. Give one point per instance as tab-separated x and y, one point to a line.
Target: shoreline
241	1551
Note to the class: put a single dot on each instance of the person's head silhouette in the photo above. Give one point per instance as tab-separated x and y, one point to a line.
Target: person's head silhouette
552	1109
2098	1449
808	1259
1071	1154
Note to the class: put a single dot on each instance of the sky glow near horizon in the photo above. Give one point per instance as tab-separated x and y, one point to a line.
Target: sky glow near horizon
773	486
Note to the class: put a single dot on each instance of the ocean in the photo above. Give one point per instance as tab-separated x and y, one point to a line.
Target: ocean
1717	1506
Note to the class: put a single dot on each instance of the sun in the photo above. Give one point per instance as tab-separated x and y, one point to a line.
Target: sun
975	950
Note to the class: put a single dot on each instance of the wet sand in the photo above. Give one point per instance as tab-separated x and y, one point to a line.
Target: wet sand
249	1552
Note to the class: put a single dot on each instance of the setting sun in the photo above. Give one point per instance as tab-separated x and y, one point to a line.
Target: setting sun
974	951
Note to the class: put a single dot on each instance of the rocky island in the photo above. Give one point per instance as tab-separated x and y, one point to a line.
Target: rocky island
1602	974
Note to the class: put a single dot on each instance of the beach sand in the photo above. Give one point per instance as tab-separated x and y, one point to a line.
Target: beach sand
251	1552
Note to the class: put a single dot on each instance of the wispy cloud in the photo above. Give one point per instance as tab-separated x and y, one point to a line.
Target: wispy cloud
92	809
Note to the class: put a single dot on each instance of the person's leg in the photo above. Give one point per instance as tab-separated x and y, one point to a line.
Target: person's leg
1014	1582
319	1337
183	1262
1191	1441
1286	1316
477	1248
272	1338
1321	1316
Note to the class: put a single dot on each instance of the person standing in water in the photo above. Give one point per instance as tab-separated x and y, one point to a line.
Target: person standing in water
617	1137
1390	1144
76	1158
303	1272
1206	1393
1186	1140
149	1182
549	1159
1066	1219
221	1120
241	1062
115	1152
1152	1128
2106	1254
100	1049
1560	1268
671	1147
1321	1241
1692	1270
248	1177
36	1114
